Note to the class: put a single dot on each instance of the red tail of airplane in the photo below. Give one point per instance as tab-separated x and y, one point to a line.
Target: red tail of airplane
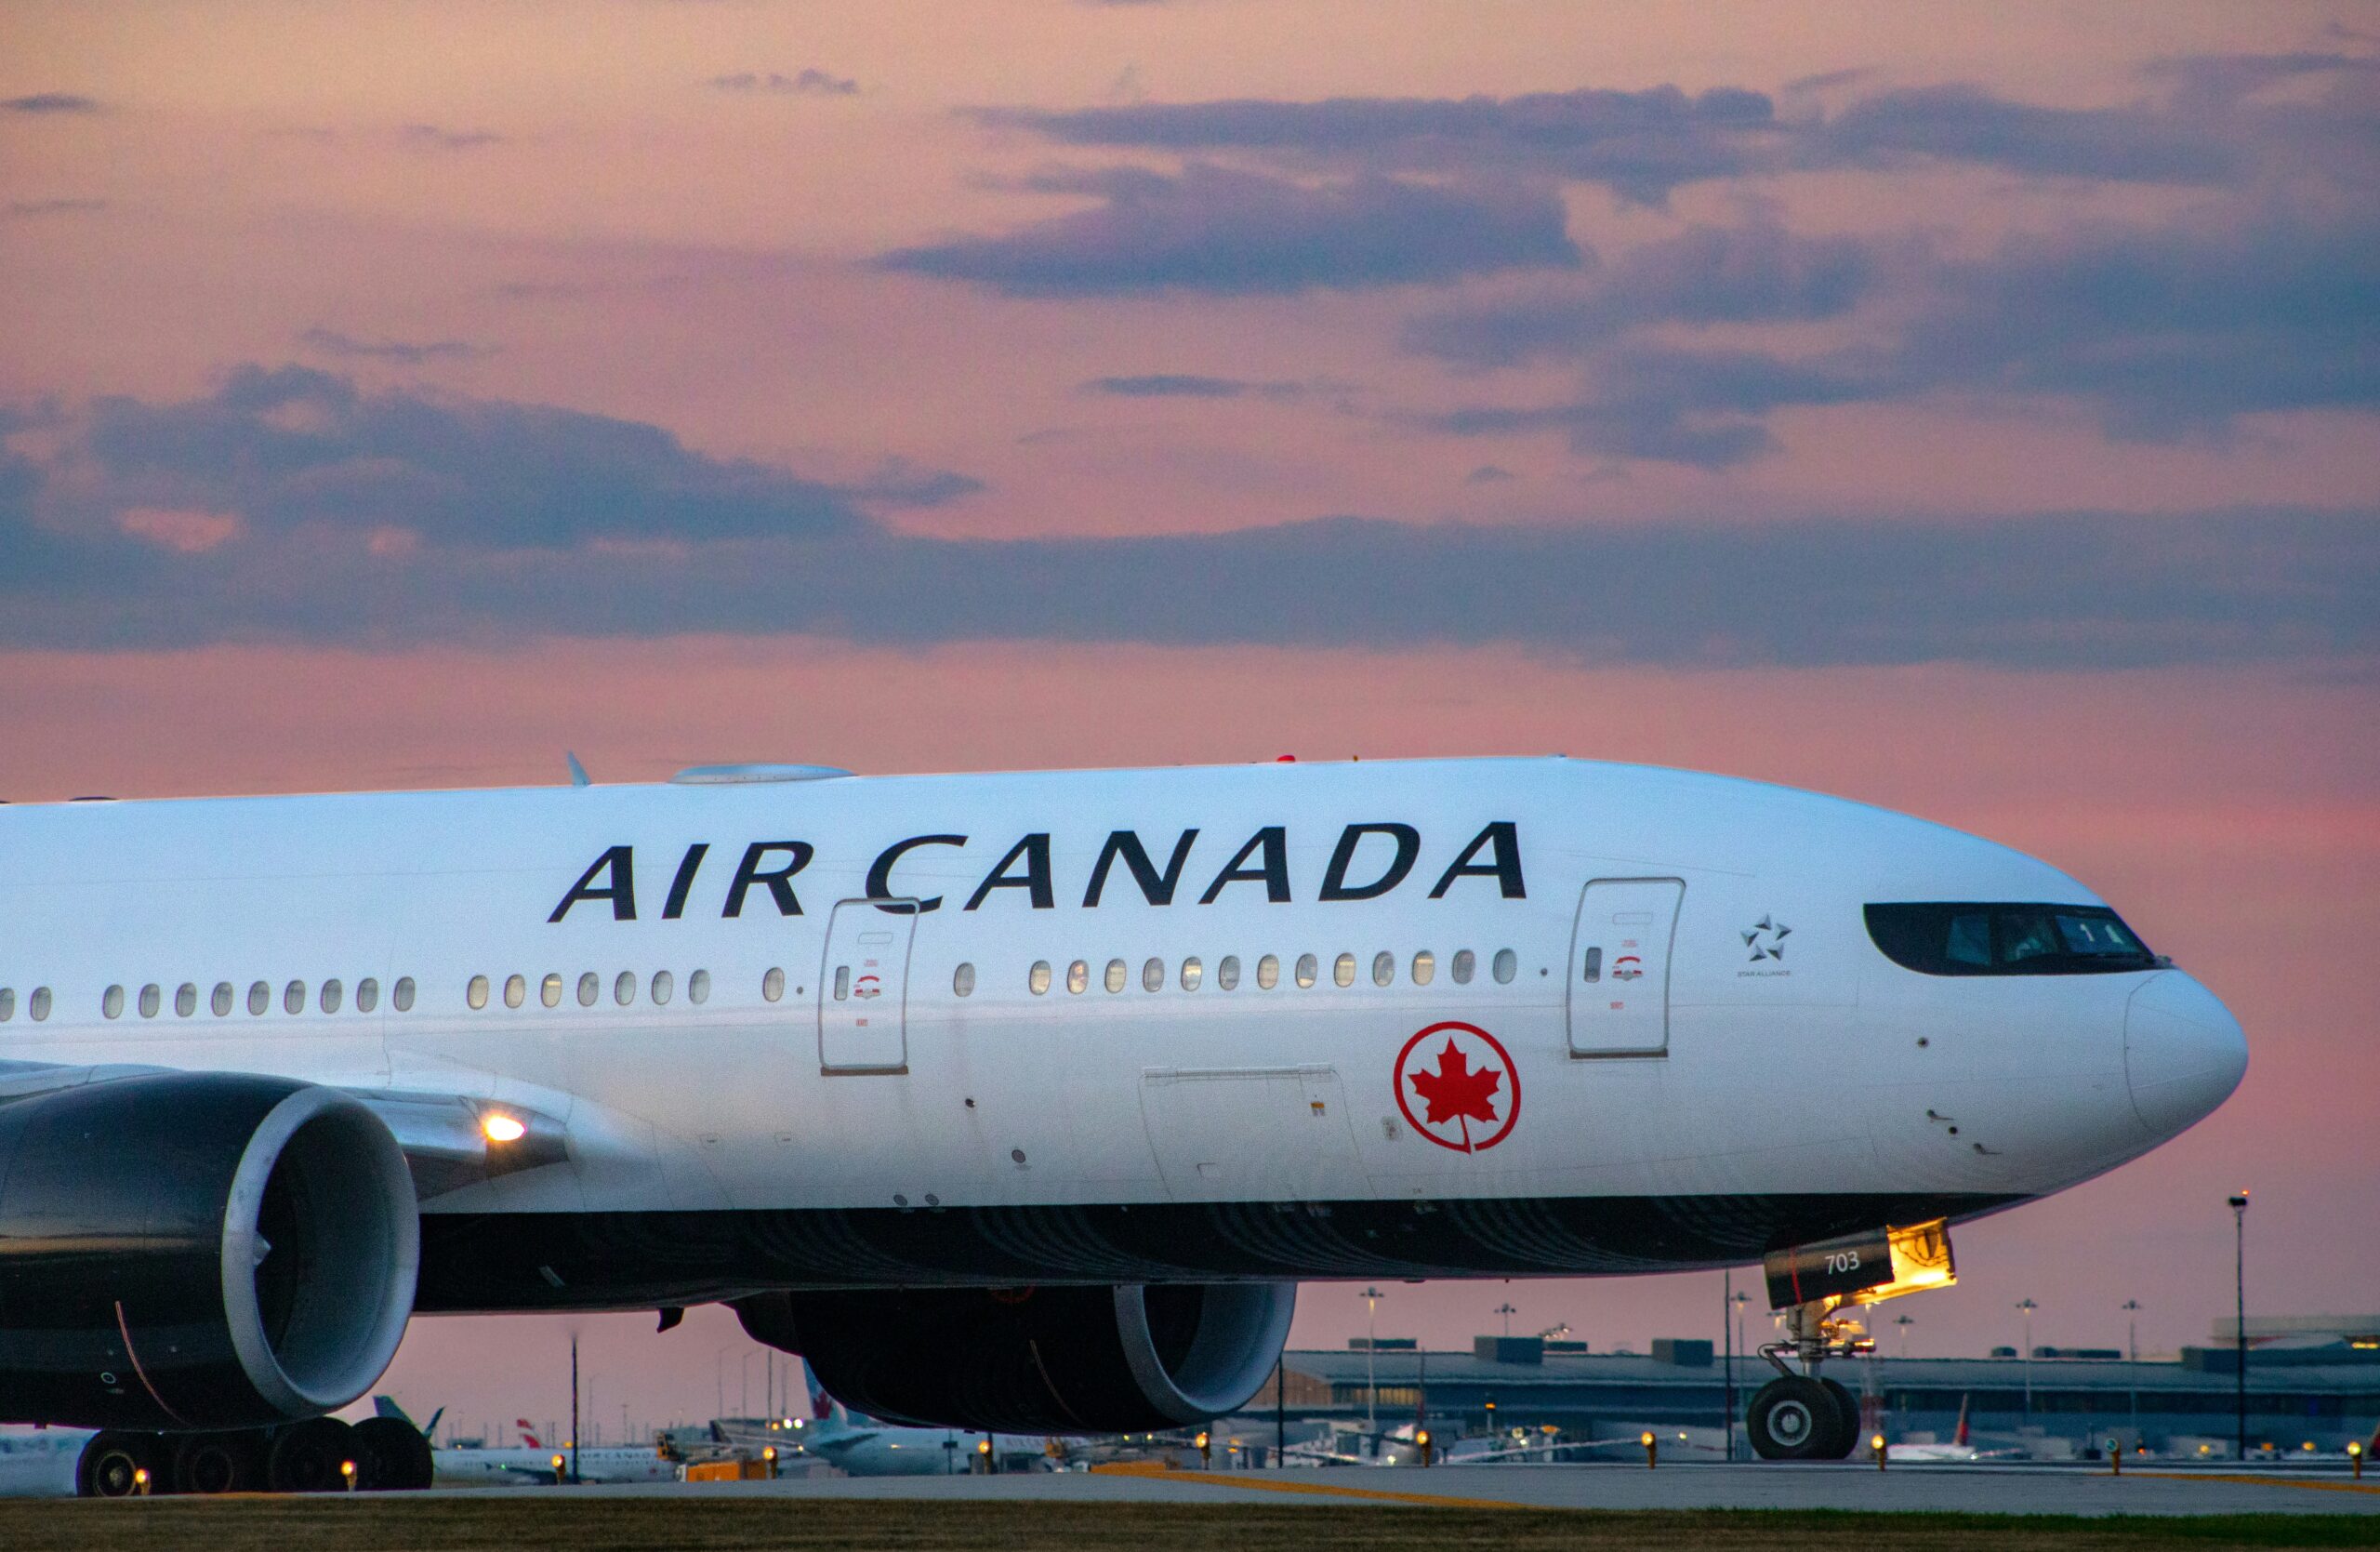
1961	1436
524	1426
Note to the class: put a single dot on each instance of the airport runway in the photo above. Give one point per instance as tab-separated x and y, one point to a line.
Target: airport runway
1940	1489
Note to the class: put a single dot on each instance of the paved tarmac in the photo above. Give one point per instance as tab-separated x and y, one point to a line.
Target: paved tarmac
1953	1489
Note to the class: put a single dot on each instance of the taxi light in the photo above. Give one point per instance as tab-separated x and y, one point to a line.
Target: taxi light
501	1128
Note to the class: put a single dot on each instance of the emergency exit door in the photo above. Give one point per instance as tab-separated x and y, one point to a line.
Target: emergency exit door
863	986
1619	967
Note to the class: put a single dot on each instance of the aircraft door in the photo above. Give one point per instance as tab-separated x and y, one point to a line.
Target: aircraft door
863	986
1619	967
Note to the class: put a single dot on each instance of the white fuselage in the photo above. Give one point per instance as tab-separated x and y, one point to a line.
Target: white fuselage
1766	1051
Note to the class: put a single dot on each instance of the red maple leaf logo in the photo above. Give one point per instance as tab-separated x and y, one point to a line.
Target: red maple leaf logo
1456	1089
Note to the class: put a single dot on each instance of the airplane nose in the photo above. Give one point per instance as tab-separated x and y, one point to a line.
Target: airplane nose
2183	1052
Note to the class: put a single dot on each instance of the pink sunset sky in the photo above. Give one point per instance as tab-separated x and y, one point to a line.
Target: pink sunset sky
1969	411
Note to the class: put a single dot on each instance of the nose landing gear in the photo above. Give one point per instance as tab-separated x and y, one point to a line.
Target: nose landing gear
1806	1416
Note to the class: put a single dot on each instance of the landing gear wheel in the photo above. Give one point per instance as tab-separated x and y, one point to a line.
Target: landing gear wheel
1846	1429
306	1457
112	1461
392	1455
218	1462
1793	1418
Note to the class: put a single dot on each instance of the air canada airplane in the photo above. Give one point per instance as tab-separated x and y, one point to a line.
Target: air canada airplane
1010	1102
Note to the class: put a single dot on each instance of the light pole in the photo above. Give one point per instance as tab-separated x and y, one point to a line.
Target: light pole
1727	1340
718	1374
1372	1365
1507	1311
2131	1362
1904	1322
744	1401
1738	1299
2026	1308
2240	1310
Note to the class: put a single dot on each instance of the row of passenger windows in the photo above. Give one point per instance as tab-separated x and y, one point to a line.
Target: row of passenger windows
330	997
625	987
1307	971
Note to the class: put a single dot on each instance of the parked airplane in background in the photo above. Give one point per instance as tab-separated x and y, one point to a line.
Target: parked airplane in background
1960	1448
1076	1073
535	1463
864	1447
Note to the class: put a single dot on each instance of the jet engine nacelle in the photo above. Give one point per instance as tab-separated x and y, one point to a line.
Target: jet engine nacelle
198	1250
1130	1358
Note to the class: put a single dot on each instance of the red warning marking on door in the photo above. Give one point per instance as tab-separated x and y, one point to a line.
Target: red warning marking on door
1463	1081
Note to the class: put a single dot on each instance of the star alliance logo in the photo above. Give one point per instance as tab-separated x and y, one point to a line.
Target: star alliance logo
1767	941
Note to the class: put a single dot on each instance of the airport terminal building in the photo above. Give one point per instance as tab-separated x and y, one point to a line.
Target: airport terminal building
2317	1385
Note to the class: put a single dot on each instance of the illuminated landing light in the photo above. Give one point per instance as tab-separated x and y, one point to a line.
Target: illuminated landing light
501	1128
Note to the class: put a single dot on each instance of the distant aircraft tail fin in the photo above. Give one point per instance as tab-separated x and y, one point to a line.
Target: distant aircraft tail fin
386	1406
1961	1436
822	1407
527	1435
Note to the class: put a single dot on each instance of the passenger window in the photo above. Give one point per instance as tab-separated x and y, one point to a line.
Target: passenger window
150	1000
1115	975
368	995
591	986
698	987
293	997
772	985
220	1003
624	987
1507	964
1307	970
112	1002
549	991
1153	976
1038	981
7	1003
260	996
1384	968
1592	968
516	990
38	1003
1464	962
476	993
403	997
1425	967
1343	970
185	1000
1191	972
1227	973
1078	976
963	981
333	994
1268	971
663	985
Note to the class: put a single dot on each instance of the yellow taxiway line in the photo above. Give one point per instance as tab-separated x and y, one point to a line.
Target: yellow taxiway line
2259	1481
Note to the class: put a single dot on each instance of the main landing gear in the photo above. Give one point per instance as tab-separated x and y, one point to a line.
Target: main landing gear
321	1454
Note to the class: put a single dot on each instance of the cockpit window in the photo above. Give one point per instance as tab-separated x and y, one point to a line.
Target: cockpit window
1950	938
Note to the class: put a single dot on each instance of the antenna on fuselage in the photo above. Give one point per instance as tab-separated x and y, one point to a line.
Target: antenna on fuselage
577	771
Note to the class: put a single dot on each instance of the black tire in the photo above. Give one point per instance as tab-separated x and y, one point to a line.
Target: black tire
112	1460
1847	1409
305	1457
392	1456
215	1463
1792	1418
